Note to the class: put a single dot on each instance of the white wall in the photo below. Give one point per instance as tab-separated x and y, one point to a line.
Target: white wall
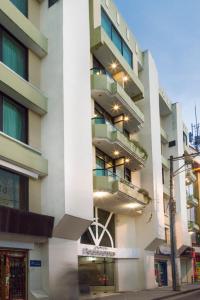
66	129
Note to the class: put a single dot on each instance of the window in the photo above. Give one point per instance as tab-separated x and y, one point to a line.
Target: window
52	2
22	5
185	139
13	54
13	119
13	190
127	174
116	38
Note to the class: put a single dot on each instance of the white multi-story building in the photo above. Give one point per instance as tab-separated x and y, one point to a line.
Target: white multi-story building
86	133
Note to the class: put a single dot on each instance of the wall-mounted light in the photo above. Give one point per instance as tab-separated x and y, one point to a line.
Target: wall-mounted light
127	160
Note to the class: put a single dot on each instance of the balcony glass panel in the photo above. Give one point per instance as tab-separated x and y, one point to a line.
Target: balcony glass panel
22	5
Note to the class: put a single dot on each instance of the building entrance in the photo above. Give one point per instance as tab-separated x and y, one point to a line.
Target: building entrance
13	270
97	273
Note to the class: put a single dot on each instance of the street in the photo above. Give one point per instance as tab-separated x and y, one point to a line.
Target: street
190	296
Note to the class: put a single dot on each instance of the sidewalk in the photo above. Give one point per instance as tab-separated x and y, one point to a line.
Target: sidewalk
154	294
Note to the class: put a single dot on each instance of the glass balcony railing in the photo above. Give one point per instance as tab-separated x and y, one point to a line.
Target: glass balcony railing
114	134
113	177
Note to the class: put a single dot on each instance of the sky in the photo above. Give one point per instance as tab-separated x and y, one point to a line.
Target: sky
170	29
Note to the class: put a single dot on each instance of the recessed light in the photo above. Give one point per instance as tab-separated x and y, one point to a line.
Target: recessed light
116	152
113	65
115	107
126	118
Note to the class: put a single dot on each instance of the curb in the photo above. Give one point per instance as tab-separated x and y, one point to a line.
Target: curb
177	294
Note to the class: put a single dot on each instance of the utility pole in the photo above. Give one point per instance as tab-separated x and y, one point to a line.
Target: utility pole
172	213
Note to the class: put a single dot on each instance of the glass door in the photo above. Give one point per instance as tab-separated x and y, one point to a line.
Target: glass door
13	270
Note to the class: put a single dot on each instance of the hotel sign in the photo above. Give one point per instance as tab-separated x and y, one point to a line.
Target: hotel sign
98	251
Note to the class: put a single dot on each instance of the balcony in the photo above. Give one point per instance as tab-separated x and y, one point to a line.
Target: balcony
192	201
15	221
107	93
115	194
190	177
21	27
110	140
106	52
165	103
192	226
164	136
21	90
165	163
22	155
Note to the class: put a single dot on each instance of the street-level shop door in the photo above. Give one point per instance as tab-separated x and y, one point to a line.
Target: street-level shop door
13	270
97	273
163	273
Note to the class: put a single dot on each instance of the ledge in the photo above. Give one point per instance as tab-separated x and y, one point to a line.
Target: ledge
24	157
21	27
21	90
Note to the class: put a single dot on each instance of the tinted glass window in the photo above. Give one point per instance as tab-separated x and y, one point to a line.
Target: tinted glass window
127	54
13	190
22	5
106	23
14	119
116	39
14	55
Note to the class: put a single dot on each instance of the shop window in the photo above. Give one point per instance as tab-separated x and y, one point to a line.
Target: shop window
13	119
22	6
13	54
13	190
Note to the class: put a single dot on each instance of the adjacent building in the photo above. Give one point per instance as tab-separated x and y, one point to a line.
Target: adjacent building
85	135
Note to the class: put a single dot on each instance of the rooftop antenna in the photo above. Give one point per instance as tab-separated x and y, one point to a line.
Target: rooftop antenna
195	133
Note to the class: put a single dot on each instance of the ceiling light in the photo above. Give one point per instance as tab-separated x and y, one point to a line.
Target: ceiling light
133	205
100	194
126	118
114	66
115	107
125	78
116	152
127	160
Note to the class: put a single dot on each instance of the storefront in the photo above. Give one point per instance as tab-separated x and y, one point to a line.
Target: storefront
13	274
98	257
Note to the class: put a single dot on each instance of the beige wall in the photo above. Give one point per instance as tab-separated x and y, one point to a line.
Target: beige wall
34	12
35	195
34	66
34	137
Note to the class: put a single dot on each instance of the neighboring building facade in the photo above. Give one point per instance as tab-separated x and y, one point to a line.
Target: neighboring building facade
85	137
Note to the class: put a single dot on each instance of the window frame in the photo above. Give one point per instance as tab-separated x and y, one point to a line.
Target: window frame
2	30
18	105
23	189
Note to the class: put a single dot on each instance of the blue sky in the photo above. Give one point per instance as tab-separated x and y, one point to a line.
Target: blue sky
170	29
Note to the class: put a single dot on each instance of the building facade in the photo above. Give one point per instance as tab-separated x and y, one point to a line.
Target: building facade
85	136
